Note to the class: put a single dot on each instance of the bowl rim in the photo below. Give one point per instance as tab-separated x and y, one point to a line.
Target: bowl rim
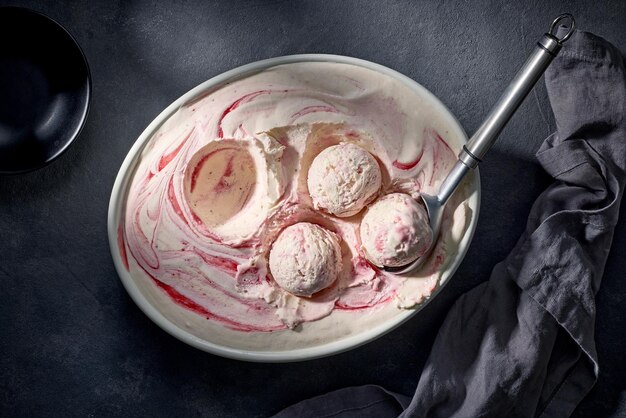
117	203
88	91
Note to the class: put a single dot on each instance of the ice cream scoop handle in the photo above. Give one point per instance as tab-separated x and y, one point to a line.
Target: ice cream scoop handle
547	48
478	145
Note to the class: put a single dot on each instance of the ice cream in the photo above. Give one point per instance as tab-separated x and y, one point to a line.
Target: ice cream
219	180
305	258
343	178
232	185
395	231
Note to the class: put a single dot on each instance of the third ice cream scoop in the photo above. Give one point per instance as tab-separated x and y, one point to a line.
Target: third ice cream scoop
395	231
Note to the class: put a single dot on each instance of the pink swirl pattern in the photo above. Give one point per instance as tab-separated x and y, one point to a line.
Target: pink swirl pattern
226	280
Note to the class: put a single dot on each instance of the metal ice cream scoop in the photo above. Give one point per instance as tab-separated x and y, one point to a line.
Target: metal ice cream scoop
474	151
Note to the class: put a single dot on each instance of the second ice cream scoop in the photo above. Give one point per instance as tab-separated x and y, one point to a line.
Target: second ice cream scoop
343	178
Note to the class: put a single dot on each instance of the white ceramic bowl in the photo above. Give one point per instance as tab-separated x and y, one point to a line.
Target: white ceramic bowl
126	171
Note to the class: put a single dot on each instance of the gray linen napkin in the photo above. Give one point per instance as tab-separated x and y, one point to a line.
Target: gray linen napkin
522	344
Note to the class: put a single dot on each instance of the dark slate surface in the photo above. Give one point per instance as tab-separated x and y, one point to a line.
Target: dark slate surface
71	340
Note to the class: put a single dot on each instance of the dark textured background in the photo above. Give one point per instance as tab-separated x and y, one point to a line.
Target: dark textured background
71	340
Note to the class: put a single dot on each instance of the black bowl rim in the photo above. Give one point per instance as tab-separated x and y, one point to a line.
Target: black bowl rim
83	120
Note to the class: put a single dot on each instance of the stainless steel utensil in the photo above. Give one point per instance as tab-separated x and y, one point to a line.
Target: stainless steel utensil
473	152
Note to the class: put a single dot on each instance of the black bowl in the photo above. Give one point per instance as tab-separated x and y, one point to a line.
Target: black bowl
45	87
